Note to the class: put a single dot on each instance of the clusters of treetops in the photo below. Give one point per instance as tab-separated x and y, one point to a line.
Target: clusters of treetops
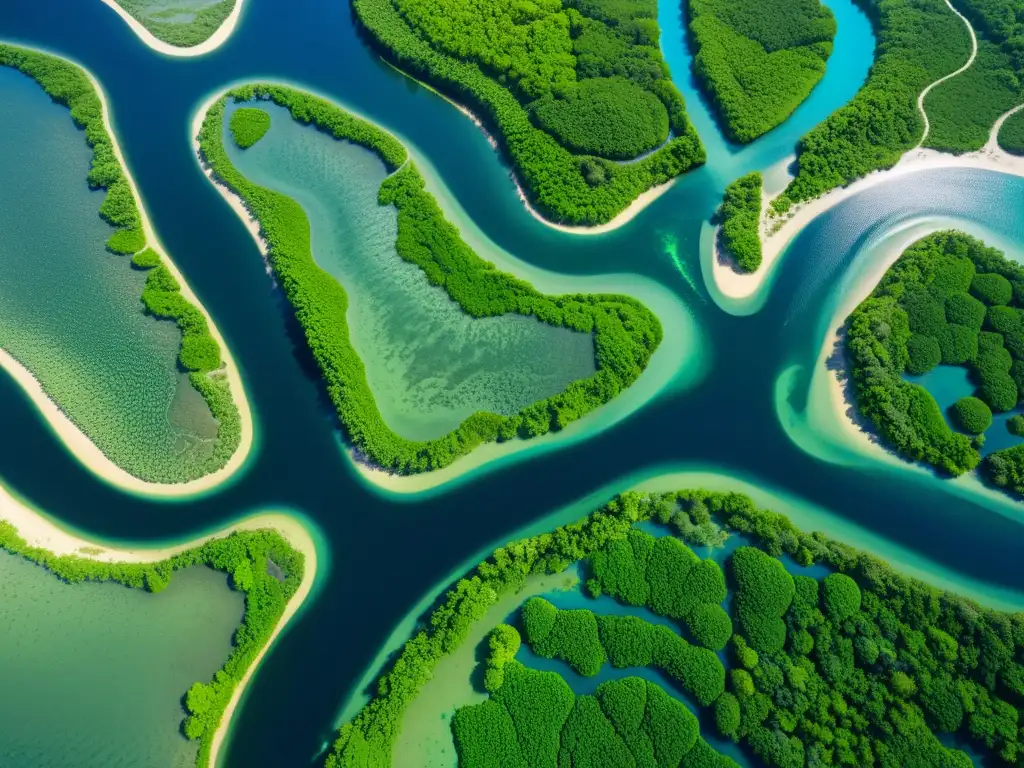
948	299
199	353
567	90
863	667
740	217
165	25
260	564
917	42
534	720
625	332
248	125
1011	135
759	60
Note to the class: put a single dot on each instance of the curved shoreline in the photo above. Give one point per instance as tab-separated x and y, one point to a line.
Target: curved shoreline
78	442
214	41
679	360
626	215
41	531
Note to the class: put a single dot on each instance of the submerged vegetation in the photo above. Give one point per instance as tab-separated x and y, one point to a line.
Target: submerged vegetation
249	125
759	60
861	667
568	90
740	215
246	557
625	332
948	299
165	24
199	354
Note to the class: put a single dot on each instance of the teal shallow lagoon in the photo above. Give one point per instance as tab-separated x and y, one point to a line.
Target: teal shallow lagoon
77	666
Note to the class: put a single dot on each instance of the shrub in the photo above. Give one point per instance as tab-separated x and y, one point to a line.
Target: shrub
923	354
248	125
971	415
958	344
841	597
572	636
964	309
926	314
710	626
727	714
741	221
992	289
764	591
1015	425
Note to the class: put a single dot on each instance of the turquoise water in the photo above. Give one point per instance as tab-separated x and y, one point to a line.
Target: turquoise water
429	364
70	311
947	384
92	675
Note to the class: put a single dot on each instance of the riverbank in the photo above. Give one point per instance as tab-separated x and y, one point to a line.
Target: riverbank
38	530
76	441
213	42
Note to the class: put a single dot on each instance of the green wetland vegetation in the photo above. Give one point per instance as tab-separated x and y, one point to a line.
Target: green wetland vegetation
261	566
1011	135
154	399
759	60
740	217
568	90
625	333
827	656
181	23
949	299
249	125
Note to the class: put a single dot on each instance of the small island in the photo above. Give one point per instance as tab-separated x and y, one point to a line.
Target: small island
949	300
578	97
828	655
625	332
759	60
180	27
740	217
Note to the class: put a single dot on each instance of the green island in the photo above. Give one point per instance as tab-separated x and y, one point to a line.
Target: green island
261	564
181	23
759	61
568	90
1011	135
200	353
740	217
948	299
248	125
625	332
833	657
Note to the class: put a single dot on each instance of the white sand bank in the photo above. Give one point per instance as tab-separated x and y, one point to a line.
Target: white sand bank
213	42
78	442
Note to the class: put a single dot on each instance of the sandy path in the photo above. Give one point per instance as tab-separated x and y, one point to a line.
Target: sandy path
213	42
76	441
941	80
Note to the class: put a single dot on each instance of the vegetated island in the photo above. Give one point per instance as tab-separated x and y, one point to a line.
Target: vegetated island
270	559
759	60
185	29
859	666
739	235
625	332
165	295
569	91
948	299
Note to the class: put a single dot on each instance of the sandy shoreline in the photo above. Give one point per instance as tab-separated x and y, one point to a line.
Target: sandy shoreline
213	42
76	441
40	531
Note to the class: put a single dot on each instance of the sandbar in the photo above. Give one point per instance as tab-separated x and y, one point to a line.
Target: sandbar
40	531
213	42
77	441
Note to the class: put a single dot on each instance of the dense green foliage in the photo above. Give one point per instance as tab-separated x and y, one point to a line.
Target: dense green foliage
200	353
535	721
1015	425
759	59
740	215
204	21
972	415
569	635
866	681
625	332
520	66
244	556
248	125
1011	135
764	591
949	290
663	574
917	43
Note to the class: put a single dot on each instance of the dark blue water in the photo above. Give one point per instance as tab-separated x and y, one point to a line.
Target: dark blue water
386	552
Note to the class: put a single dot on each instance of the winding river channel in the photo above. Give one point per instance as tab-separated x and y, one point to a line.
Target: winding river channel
740	407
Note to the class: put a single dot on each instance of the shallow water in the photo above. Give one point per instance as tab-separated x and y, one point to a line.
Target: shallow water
93	674
392	555
70	311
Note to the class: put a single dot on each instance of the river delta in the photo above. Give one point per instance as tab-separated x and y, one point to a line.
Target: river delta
740	395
